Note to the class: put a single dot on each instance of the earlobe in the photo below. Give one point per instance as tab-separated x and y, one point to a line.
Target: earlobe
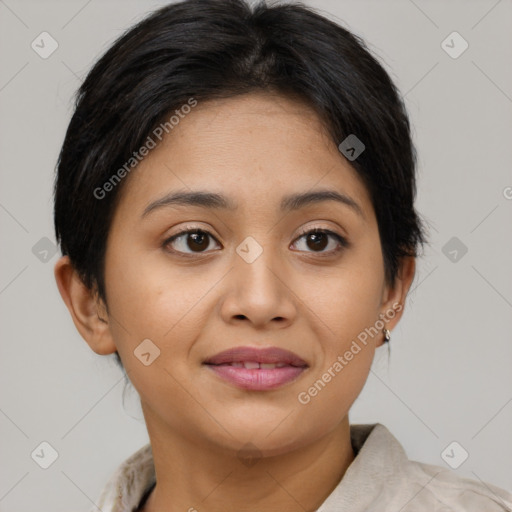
87	311
393	302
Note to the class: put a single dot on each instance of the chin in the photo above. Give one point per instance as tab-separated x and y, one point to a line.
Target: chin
272	436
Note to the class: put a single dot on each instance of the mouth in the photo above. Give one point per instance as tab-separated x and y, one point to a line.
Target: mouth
257	369
253	365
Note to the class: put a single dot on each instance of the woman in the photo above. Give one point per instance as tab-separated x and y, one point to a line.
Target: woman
235	208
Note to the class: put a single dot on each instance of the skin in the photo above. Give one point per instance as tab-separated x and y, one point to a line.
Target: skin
254	148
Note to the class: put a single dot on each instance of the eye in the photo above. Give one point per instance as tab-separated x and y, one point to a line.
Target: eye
318	239
195	240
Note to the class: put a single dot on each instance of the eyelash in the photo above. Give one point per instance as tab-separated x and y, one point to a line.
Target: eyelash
343	243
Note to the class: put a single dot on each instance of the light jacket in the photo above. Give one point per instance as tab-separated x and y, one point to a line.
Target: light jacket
380	479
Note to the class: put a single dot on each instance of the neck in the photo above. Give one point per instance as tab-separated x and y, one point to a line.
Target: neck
192	476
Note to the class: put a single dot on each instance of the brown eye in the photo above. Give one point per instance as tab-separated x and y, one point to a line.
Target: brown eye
190	241
317	240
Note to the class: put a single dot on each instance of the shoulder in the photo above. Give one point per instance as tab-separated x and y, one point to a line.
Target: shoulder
128	483
445	490
399	483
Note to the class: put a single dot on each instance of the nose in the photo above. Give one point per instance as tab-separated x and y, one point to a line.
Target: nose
259	293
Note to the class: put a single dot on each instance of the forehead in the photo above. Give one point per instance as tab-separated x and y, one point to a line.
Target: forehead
251	147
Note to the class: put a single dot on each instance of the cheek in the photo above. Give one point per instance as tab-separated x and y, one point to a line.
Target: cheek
347	303
153	298
150	299
346	298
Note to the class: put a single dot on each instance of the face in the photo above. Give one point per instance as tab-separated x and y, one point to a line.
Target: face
249	275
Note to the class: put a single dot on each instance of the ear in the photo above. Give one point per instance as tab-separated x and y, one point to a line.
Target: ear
393	298
88	312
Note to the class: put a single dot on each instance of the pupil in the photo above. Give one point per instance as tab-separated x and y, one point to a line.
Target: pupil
318	239
199	239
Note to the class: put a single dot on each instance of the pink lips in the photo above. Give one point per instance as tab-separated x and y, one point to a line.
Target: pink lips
257	368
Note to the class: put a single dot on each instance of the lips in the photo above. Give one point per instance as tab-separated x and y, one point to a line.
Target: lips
251	365
252	358
257	369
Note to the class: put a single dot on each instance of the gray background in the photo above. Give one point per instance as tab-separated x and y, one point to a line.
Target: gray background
449	376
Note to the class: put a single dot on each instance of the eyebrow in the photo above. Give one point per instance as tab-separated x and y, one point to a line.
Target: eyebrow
216	201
